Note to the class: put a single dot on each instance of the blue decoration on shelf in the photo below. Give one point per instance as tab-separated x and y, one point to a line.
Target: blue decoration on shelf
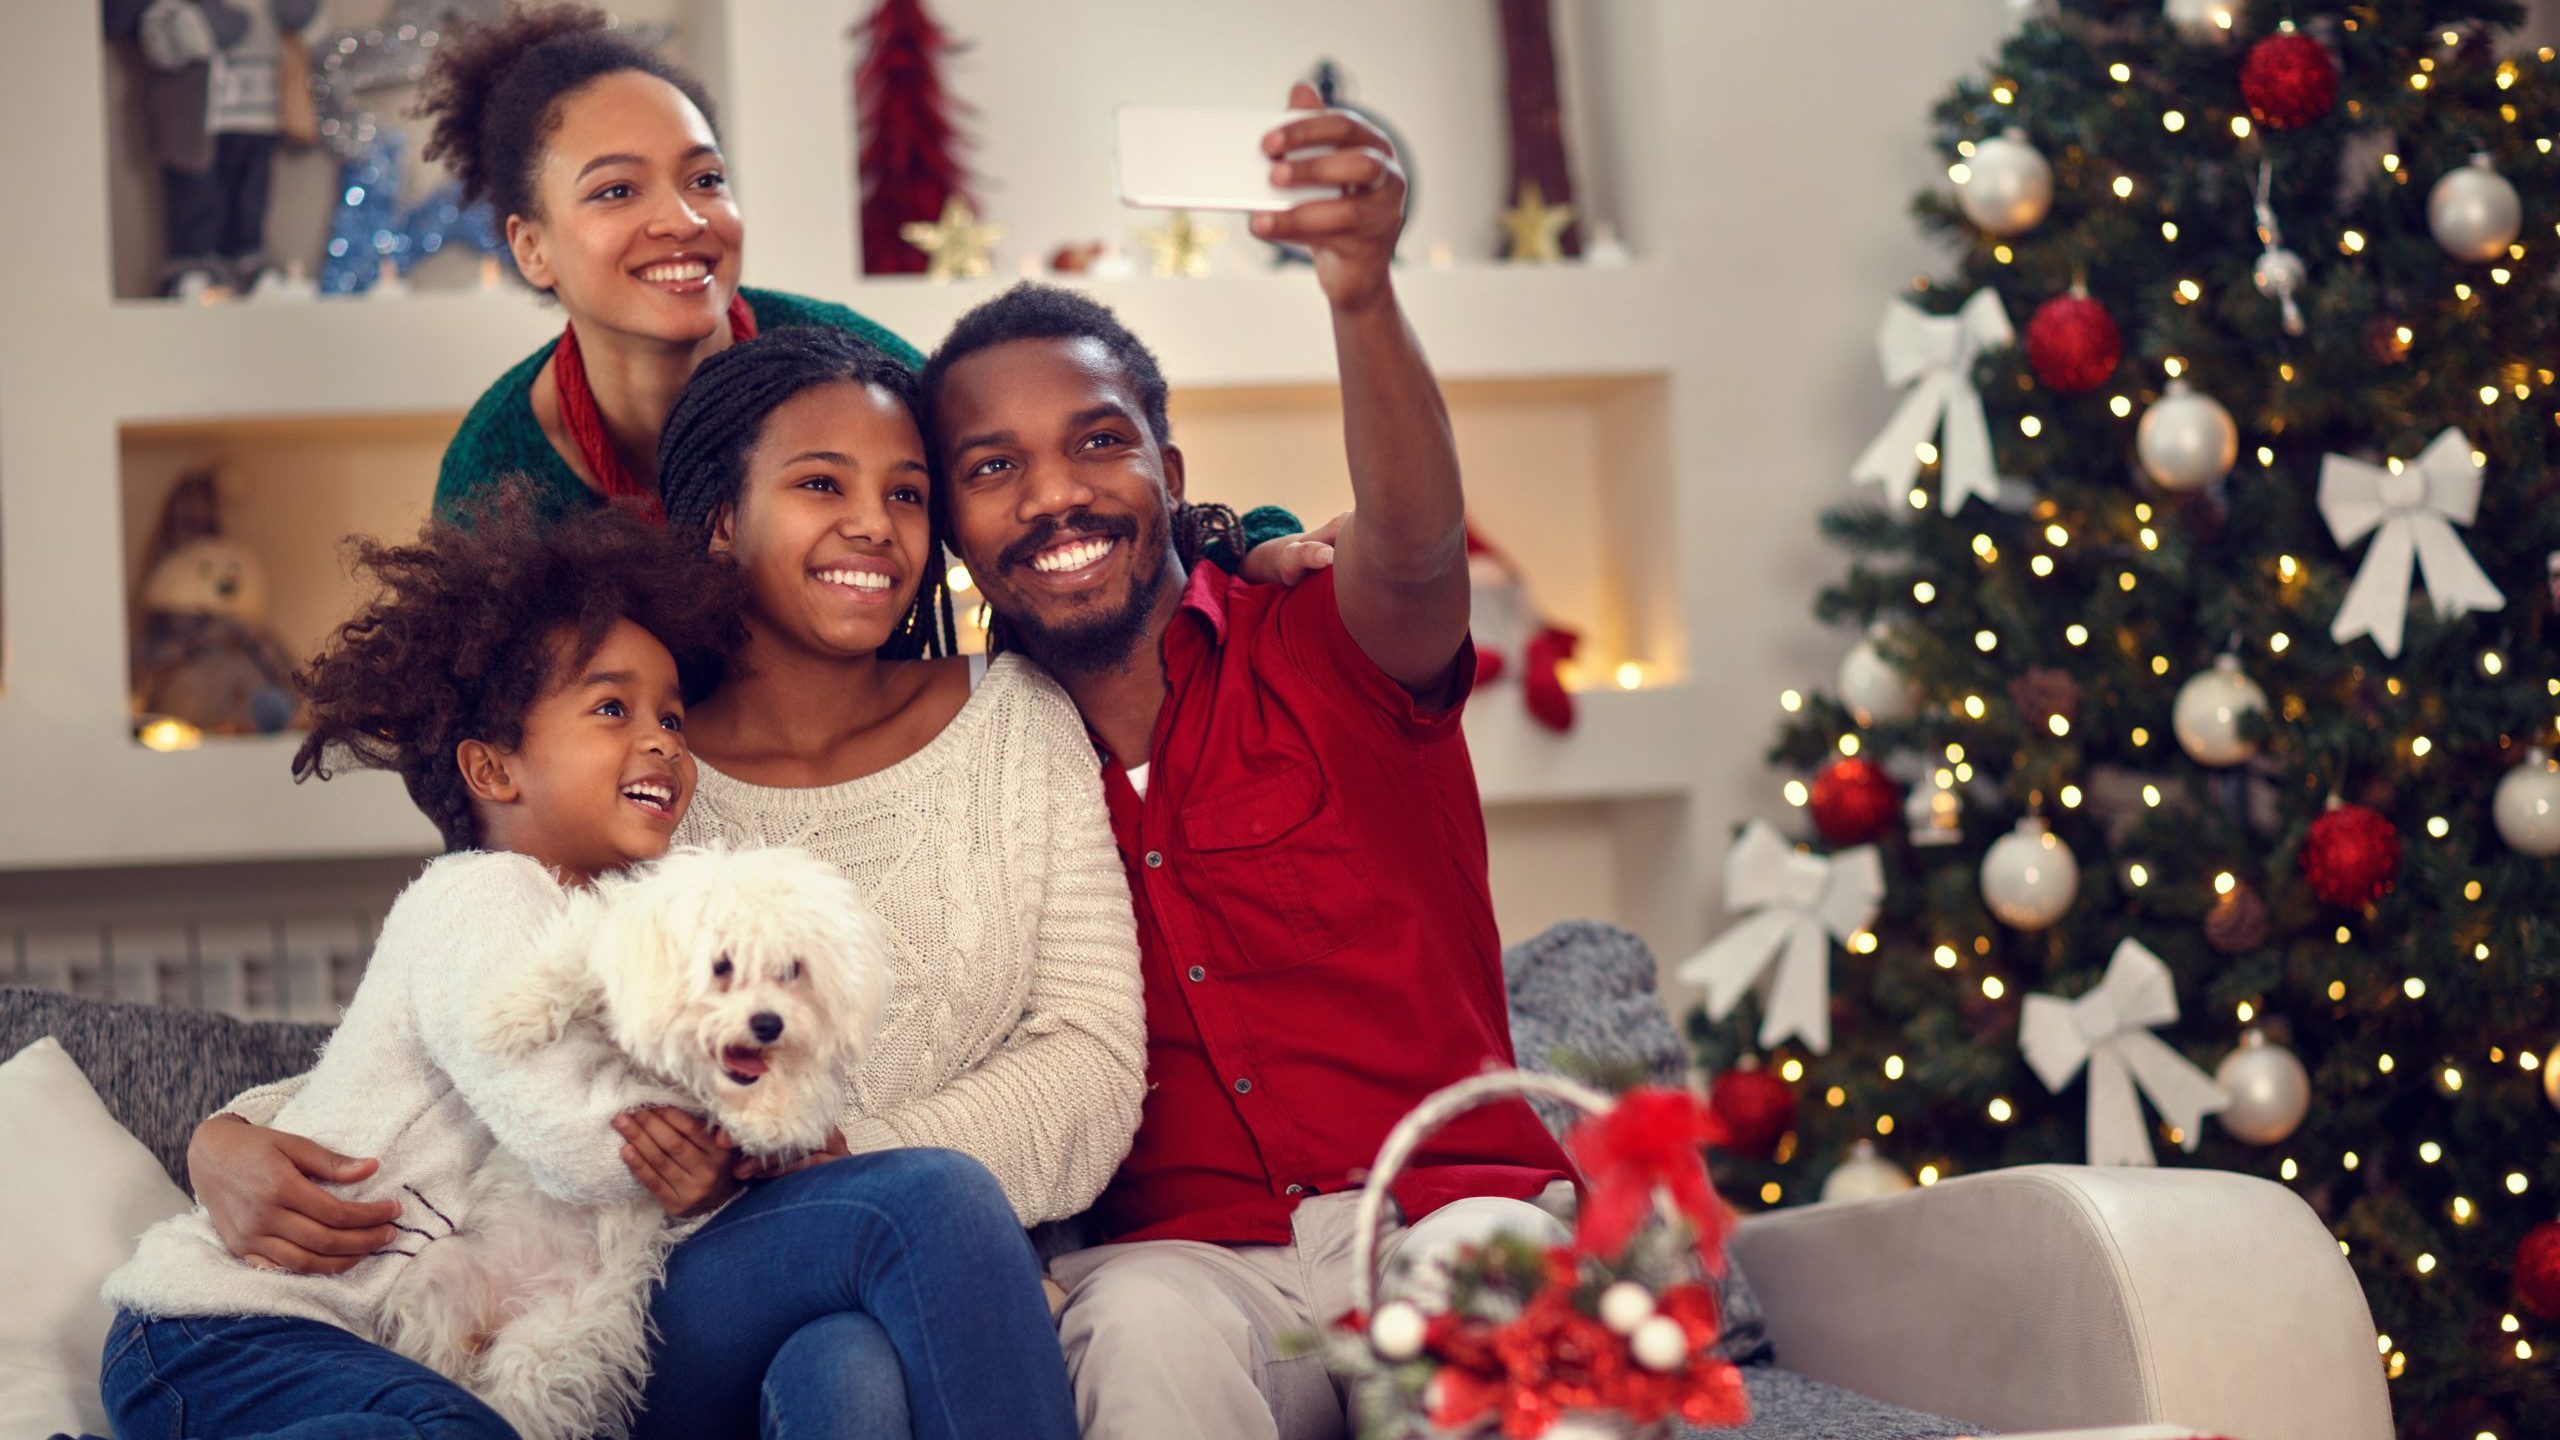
369	226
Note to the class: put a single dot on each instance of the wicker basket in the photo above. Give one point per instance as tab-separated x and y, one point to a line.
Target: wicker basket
1435	1111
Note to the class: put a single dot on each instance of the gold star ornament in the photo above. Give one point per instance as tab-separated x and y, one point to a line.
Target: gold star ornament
955	246
1182	247
1536	227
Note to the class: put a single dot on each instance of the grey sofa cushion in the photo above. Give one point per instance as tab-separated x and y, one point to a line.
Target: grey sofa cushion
160	1070
1787	1406
1587	991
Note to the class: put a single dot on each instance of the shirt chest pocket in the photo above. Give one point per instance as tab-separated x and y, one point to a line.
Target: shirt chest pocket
1280	868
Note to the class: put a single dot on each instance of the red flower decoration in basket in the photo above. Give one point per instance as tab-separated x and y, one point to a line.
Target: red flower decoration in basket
1604	1327
1654	1138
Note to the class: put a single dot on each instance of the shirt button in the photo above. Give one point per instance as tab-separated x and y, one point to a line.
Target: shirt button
1155	859
1199	973
1244	1087
1295	1190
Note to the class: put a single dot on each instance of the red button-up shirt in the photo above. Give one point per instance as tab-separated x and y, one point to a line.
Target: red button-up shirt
1317	937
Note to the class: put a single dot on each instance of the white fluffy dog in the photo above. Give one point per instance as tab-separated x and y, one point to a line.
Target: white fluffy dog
744	980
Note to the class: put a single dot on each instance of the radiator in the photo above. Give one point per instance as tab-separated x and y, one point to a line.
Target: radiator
300	965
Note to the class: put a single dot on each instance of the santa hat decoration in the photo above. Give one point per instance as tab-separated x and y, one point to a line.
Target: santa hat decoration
1509	630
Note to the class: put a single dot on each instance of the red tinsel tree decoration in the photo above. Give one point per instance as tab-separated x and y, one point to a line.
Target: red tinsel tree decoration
909	165
1853	802
2351	856
2538	1270
2289	81
2073	344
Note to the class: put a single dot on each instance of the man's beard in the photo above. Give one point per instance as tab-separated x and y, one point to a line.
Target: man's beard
1092	643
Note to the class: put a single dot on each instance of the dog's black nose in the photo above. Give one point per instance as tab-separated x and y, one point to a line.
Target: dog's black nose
768	1027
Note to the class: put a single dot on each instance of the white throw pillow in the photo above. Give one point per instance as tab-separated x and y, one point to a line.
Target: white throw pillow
75	1195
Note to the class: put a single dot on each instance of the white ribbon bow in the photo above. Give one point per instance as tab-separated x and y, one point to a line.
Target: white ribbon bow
1799	903
1937	352
2109	1029
2415	509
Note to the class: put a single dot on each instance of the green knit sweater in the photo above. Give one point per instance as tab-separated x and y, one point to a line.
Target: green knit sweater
500	437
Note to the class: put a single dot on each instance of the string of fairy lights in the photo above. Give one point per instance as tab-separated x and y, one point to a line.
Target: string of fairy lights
2517	381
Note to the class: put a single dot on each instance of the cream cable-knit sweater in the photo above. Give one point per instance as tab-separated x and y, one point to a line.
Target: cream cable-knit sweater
1016	1030
401	1079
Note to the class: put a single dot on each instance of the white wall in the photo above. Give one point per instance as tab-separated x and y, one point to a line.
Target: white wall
1772	187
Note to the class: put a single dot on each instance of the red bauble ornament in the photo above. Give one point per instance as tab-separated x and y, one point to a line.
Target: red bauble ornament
1853	802
2538	1270
2289	81
2072	344
2351	857
1757	1109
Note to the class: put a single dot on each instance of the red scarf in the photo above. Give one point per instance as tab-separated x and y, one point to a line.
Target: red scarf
585	422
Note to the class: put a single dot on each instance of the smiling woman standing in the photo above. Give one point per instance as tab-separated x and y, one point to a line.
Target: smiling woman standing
604	162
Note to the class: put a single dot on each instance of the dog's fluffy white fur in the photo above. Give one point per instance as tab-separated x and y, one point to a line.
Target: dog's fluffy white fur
745	979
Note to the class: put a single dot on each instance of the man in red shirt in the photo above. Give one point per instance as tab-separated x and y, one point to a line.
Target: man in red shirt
1292	797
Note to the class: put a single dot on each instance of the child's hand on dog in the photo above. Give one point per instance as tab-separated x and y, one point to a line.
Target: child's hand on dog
681	1160
747	1167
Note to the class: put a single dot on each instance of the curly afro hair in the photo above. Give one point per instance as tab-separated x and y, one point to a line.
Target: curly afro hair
493	92
702	449
478	619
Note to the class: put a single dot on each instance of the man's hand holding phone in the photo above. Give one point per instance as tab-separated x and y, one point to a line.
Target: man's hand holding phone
1353	234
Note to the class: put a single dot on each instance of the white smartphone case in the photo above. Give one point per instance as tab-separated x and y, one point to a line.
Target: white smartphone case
1173	159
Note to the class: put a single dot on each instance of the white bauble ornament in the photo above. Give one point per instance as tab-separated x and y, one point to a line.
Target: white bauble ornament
2186	440
2551	1077
2280	276
1865	1175
1660	1344
1875	692
1396	1331
2010	187
2208	710
2527	805
2029	876
1624	1306
2278	271
2270	1091
2474	213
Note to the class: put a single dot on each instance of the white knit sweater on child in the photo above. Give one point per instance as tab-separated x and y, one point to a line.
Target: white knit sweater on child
402	1080
1016	1028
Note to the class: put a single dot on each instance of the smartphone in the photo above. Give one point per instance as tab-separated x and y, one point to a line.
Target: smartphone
1170	159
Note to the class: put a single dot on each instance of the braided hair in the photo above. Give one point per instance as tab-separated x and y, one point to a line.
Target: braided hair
702	450
492	94
480	618
1033	311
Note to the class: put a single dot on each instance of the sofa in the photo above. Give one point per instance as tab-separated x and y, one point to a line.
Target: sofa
2047	1297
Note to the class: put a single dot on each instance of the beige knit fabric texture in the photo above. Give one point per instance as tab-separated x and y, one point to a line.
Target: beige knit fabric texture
1016	1028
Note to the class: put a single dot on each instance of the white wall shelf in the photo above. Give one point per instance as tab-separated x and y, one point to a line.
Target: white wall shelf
230	799
434	351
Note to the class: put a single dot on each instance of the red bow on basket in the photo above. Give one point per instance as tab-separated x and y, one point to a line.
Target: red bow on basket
1653	1140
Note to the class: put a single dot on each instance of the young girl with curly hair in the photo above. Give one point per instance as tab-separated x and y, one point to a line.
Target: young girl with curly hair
529	685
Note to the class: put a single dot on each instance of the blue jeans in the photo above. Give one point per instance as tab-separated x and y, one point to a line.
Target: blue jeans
264	1378
883	1295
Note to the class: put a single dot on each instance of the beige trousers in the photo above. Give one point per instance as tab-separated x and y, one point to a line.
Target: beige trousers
1180	1340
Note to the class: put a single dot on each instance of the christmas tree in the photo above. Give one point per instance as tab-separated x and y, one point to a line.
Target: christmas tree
2209	660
